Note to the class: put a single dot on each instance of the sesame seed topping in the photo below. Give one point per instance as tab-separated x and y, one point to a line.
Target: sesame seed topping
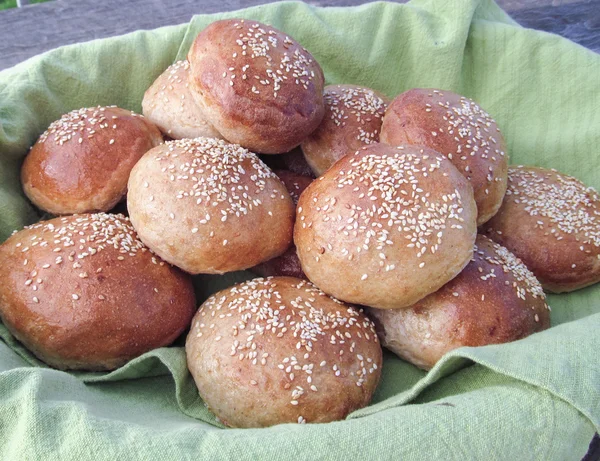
563	205
77	124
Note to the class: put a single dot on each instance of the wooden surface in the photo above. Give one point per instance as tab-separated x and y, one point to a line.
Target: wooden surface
27	31
33	29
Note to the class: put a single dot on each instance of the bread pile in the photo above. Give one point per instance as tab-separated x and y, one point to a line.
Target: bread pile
381	248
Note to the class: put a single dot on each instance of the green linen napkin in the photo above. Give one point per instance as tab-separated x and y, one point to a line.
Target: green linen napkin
538	398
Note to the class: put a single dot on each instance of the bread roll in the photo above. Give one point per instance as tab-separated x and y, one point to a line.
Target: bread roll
386	226
353	116
169	104
494	300
552	222
459	128
84	293
82	162
278	350
209	207
258	87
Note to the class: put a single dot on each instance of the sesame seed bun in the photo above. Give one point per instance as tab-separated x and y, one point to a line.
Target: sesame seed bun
353	116
552	222
386	226
459	128
257	86
288	263
278	350
494	300
82	162
84	293
169	104
209	207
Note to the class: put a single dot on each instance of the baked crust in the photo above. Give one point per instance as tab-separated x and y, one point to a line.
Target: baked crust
386	226
494	300
209	207
552	222
82	162
278	350
460	129
257	86
169	104
353	117
84	293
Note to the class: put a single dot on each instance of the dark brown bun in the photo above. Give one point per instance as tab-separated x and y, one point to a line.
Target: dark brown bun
82	162
209	207
552	222
494	300
458	128
288	263
353	116
293	161
84	293
386	226
257	86
169	104
294	183
279	350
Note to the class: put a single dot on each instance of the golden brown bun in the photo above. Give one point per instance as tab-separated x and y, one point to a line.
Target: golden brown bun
257	86
458	128
169	104
552	222
288	263
353	116
83	292
209	207
494	300
386	226
278	350
82	162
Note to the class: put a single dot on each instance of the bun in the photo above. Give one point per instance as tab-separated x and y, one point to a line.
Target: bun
83	293
278	350
386	226
169	104
82	162
552	222
257	86
461	130
353	116
494	300
209	207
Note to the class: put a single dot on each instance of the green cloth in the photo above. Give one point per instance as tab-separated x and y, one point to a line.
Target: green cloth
538	398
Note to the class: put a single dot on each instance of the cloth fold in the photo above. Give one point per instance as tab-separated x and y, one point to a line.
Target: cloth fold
537	398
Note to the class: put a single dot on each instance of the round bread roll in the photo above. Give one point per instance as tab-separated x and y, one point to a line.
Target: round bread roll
257	86
552	222
458	128
83	293
353	116
169	104
209	207
494	300
386	226
288	263
279	350
82	162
